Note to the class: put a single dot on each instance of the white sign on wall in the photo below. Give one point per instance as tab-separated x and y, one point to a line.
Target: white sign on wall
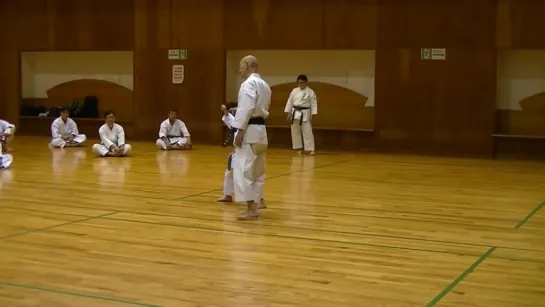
438	54
177	54
178	74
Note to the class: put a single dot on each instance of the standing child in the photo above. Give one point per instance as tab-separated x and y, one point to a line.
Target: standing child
228	184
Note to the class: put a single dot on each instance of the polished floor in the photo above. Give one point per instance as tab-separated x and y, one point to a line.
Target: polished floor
341	230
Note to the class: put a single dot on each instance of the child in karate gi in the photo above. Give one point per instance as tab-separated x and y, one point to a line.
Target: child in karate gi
228	184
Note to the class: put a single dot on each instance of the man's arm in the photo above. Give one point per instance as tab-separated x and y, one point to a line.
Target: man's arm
55	130
228	119
74	128
314	104
163	133
185	132
289	104
104	139
120	136
246	105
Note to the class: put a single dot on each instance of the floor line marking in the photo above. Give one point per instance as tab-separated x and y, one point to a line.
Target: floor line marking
462	276
529	216
96	297
268	178
55	226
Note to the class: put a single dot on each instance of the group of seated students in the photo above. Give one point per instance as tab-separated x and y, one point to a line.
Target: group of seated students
173	135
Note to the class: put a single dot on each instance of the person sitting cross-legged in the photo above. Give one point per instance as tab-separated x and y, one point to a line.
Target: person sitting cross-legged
64	132
173	133
112	138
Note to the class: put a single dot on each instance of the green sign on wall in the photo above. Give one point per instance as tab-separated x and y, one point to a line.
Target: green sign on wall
425	53
177	54
433	53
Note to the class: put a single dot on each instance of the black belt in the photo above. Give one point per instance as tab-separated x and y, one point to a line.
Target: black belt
256	121
253	121
229	161
232	132
174	136
298	109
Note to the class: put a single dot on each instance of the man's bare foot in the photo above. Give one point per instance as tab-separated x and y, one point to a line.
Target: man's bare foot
262	204
300	152
312	153
225	199
248	215
113	154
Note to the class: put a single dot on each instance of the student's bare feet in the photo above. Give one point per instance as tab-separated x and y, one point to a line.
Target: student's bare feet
225	199
262	204
252	213
249	215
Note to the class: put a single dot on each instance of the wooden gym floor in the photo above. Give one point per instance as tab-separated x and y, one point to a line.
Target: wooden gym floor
341	230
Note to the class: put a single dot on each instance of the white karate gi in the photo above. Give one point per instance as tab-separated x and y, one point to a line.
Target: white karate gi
5	179
6	128
228	184
176	133
5	160
254	98
109	137
60	130
302	104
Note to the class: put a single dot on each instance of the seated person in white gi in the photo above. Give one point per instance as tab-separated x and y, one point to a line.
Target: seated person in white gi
112	137
64	132
173	133
5	159
301	107
228	184
7	131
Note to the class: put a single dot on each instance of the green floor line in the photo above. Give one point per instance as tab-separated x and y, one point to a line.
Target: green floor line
453	284
55	226
521	223
96	297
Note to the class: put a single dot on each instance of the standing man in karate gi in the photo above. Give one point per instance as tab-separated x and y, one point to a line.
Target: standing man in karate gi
251	142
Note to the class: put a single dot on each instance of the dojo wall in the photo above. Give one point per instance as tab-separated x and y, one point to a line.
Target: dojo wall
350	69
445	107
57	78
521	92
41	71
343	80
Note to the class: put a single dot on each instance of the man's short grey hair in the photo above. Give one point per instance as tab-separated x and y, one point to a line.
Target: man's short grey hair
251	61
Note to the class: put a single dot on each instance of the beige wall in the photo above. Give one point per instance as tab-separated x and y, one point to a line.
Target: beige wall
352	69
41	71
521	73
